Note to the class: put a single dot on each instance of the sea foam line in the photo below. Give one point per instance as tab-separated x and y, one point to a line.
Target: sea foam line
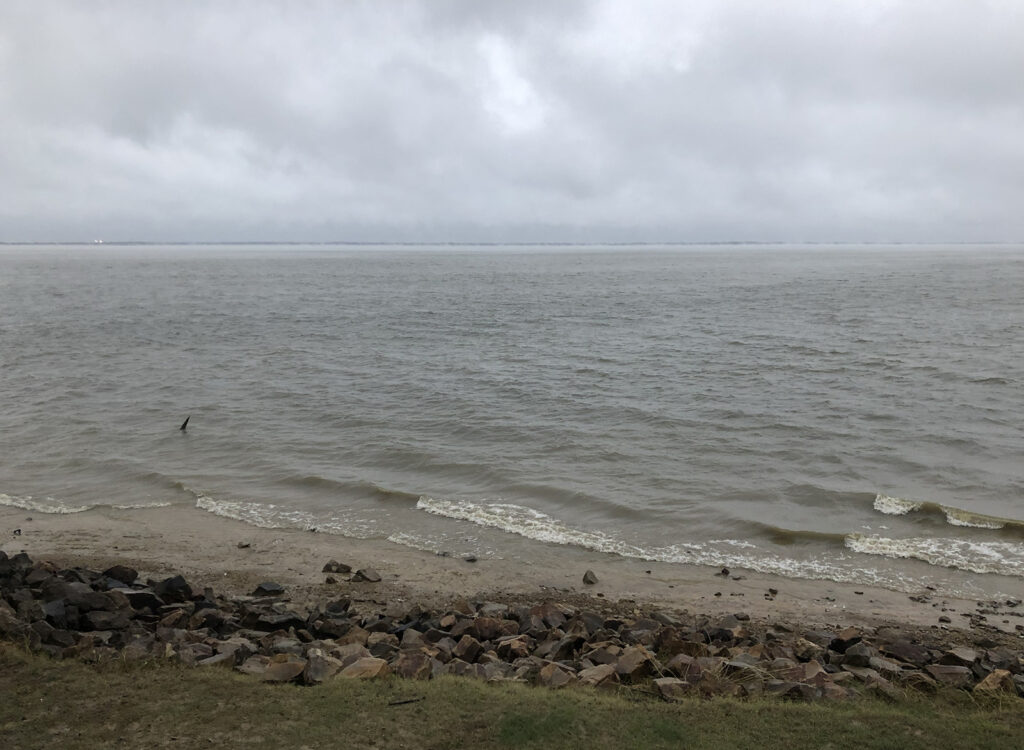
533	524
58	507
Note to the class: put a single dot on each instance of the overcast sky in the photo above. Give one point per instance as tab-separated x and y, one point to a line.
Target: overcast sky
471	120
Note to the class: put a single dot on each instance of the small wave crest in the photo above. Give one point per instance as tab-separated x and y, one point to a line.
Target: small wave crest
272	516
58	507
533	524
898	506
1002	558
895	506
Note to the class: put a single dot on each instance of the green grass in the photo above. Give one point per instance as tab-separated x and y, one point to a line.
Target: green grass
45	704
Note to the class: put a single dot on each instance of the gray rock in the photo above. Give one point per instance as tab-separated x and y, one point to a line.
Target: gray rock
589	578
366	575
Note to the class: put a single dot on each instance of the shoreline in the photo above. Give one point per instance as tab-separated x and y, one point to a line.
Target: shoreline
207	548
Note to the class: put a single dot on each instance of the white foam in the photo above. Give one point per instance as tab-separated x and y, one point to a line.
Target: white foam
960	517
48	505
517	519
533	524
895	506
1002	558
51	505
272	516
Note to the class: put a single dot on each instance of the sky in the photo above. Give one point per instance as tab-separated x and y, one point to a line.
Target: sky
535	120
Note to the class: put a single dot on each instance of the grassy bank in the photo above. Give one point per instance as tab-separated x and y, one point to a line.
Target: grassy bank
45	703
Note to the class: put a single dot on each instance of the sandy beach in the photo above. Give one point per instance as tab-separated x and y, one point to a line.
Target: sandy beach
232	557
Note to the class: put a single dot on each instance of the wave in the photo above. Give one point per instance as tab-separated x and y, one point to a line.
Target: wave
898	506
1002	558
533	524
272	516
55	506
315	481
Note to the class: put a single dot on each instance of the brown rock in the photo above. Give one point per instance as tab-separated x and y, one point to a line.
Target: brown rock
999	681
333	566
634	663
600	676
382	645
320	667
467	649
413	665
365	669
672	688
805	650
283	671
555	676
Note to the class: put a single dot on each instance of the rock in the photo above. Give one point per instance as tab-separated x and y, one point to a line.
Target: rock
600	676
283	671
173	589
999	681
672	688
320	667
634	663
858	654
366	575
268	588
961	657
805	650
589	578
413	665
908	652
333	566
469	558
382	645
365	669
554	675
467	649
957	676
122	573
844	639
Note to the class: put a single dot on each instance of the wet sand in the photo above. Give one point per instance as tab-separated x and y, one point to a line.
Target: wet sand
209	550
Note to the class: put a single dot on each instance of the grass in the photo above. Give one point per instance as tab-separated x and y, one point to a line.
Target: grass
45	704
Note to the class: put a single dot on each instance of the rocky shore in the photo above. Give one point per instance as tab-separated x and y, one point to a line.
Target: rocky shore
75	612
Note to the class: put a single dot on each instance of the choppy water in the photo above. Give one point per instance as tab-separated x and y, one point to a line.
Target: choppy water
851	413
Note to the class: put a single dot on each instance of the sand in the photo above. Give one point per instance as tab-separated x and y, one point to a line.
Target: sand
208	550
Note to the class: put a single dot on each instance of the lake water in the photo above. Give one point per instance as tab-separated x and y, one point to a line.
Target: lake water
847	413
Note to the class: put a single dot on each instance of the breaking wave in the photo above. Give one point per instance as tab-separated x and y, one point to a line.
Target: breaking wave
898	506
1002	558
55	506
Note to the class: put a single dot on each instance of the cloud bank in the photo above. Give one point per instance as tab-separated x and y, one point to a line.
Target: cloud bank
458	120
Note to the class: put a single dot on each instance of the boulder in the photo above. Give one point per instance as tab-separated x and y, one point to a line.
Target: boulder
960	657
554	675
320	667
122	573
467	649
806	650
948	674
600	676
589	578
634	663
283	671
999	681
907	652
173	589
413	665
672	688
366	668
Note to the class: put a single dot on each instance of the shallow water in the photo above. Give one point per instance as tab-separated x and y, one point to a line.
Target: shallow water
850	413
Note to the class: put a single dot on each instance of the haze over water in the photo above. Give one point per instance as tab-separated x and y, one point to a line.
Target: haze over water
843	412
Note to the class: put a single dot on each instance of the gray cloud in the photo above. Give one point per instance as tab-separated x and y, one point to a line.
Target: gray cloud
464	120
